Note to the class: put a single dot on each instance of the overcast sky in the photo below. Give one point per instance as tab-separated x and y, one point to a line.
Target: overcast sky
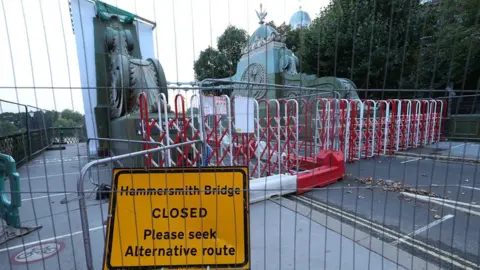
37	40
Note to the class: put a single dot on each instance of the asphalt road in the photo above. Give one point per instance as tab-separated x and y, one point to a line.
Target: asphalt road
452	229
449	149
283	235
445	235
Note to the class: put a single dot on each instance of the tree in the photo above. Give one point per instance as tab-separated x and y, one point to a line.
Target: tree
7	128
230	44
50	118
76	117
221	63
366	41
68	119
64	123
453	39
211	64
395	44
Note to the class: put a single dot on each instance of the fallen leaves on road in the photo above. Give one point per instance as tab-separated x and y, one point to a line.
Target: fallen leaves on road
395	186
366	180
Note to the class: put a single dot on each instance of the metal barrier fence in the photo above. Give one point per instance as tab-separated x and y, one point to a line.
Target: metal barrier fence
264	176
430	193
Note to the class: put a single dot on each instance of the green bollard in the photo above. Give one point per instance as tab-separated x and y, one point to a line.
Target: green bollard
9	209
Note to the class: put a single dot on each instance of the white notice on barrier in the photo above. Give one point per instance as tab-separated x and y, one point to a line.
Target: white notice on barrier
244	115
207	105
220	105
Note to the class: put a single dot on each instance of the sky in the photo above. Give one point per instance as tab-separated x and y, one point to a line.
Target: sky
38	51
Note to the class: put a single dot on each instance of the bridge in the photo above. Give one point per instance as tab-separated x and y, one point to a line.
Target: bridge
397	199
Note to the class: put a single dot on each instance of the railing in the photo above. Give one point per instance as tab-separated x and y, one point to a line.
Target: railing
24	146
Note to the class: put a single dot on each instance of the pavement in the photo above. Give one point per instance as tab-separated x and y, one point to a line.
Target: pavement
327	228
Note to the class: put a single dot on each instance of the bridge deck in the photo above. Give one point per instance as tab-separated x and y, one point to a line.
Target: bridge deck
284	233
453	228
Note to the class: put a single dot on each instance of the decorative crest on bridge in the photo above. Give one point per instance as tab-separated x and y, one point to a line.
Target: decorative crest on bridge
261	15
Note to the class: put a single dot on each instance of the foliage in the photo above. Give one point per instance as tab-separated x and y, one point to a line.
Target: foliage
221	63
64	123
8	128
211	64
395	44
292	37
230	44
12	123
68	119
386	44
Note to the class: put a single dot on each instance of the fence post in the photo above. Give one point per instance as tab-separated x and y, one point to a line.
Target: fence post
29	143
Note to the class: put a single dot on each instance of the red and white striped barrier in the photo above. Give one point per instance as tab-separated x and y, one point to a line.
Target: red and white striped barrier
368	128
289	142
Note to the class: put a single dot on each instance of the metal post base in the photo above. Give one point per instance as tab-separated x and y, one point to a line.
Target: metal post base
8	233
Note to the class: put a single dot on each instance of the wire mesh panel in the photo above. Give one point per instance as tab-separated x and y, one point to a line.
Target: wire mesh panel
216	135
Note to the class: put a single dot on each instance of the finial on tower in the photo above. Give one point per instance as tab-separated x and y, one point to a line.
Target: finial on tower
261	15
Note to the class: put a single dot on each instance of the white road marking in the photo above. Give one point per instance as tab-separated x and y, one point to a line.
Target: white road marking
43	176
445	203
55	163
406	161
434	251
49	239
457	146
55	175
46	196
475	188
424	228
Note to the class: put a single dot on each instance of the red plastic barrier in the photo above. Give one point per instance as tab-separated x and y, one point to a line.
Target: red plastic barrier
326	168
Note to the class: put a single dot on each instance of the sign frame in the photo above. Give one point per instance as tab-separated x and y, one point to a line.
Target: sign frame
116	172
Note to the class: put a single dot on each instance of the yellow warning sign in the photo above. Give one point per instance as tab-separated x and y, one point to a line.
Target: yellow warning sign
179	218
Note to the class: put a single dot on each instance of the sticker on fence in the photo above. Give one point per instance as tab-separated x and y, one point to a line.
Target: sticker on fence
179	217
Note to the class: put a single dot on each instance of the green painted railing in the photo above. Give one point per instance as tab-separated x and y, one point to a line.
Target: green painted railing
24	146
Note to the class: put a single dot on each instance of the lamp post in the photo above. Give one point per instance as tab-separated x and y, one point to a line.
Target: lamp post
31	113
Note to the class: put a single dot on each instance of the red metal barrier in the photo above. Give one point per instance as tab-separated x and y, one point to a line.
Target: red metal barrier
359	129
319	171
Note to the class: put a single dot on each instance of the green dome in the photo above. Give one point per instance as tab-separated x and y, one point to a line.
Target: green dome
300	19
262	32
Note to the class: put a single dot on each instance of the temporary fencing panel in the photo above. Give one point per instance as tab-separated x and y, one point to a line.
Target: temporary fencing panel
178	178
